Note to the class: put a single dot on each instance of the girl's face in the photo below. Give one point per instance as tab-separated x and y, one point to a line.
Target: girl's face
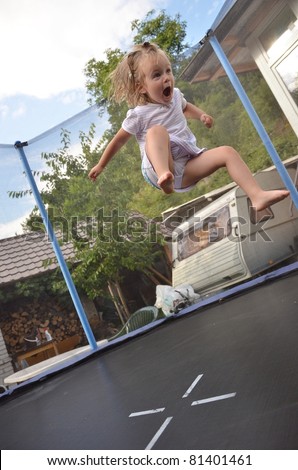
158	79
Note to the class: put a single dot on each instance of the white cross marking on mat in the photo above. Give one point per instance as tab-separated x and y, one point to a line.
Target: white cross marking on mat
169	418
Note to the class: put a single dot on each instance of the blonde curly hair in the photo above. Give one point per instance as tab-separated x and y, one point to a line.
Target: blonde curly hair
127	77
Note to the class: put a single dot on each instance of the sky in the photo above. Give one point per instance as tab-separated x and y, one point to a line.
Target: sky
45	45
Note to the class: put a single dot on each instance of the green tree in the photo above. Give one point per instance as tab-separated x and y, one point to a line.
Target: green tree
169	33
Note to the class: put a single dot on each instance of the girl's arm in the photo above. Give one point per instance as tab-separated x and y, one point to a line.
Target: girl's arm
111	149
193	112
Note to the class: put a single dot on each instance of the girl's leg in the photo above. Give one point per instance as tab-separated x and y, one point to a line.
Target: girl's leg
211	160
159	153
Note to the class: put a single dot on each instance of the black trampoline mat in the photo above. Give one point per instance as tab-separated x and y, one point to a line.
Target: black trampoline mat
225	377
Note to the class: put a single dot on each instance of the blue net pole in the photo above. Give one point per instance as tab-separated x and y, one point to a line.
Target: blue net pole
65	271
253	116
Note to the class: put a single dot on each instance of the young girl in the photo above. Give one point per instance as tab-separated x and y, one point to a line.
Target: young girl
171	160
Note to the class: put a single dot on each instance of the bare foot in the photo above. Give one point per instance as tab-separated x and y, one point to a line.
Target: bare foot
166	182
268	198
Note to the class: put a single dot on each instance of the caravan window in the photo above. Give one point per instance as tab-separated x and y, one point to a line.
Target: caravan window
203	233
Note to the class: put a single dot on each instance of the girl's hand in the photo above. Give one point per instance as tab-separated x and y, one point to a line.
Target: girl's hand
206	120
95	172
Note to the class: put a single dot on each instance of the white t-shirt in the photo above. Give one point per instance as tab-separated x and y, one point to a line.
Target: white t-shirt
142	118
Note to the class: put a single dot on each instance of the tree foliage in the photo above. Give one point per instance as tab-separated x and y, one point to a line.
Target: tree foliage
169	33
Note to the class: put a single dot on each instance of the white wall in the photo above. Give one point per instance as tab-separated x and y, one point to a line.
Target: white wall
6	368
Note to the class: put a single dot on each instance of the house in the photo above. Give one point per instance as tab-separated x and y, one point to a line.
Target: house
21	258
255	34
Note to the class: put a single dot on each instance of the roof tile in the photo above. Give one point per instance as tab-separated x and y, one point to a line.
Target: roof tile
23	256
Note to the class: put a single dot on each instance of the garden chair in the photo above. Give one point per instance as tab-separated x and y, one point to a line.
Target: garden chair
140	318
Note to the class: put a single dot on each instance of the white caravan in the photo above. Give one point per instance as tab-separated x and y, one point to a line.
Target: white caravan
220	245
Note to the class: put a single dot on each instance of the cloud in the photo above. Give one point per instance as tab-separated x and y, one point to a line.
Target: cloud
20	111
50	41
12	110
72	96
4	110
12	228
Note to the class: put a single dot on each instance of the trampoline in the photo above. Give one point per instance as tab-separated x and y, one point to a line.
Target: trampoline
220	375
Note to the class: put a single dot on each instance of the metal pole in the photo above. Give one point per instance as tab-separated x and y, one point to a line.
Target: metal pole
253	116
65	271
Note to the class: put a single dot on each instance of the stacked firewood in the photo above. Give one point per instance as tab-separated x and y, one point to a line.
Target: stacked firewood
22	320
20	324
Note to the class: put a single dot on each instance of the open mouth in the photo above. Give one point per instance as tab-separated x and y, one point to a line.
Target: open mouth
167	91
